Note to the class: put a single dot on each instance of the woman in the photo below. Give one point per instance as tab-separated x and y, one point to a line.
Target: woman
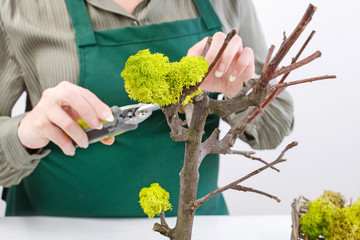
68	55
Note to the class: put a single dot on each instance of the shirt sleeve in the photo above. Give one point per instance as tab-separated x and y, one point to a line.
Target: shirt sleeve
15	161
269	129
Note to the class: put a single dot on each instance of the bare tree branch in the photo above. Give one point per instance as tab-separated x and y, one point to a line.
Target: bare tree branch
279	159
294	59
283	85
296	65
178	132
285	47
248	155
247	189
207	46
268	57
163	220
189	91
164	230
274	94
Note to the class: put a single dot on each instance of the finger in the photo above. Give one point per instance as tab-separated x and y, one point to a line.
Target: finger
243	64
102	110
58	137
108	141
198	48
233	49
72	113
85	103
68	94
60	118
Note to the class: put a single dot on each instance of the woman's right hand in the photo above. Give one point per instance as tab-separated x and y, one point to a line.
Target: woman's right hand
54	118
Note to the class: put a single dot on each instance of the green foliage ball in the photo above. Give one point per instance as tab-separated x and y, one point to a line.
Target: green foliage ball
151	78
154	200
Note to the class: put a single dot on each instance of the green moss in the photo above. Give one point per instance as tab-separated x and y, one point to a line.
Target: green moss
151	78
145	77
346	224
336	198
189	97
154	200
316	222
328	217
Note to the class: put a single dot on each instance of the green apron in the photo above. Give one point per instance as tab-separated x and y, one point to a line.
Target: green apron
104	181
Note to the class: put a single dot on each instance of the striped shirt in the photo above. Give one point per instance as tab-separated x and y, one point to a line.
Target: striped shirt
38	51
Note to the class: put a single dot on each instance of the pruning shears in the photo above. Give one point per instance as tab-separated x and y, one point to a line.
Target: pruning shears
126	118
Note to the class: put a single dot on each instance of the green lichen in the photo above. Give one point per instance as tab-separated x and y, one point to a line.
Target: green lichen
316	222
336	198
154	200
329	218
346	224
151	78
189	97
145	77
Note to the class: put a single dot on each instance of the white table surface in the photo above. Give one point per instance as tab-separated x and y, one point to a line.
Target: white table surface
275	227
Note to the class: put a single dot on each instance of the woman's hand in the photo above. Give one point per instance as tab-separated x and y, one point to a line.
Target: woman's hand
235	66
54	118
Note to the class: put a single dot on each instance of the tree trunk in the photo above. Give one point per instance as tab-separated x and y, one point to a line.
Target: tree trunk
189	178
189	175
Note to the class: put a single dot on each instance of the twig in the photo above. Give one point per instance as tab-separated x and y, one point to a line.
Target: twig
286	45
229	36
268	57
163	220
244	153
247	189
189	91
279	159
294	59
207	46
296	65
282	85
274	94
248	155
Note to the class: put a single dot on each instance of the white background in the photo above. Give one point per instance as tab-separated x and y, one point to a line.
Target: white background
326	113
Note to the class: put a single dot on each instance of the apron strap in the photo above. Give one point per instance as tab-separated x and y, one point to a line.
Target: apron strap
84	33
207	13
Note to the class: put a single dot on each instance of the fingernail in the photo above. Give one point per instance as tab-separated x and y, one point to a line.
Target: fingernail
233	76
220	70
110	117
71	152
95	124
84	144
218	74
100	126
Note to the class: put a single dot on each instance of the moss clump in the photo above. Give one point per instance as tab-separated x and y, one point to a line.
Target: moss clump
151	78
154	200
329	218
346	224
335	198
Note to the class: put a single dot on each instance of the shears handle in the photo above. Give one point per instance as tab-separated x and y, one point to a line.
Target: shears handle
108	130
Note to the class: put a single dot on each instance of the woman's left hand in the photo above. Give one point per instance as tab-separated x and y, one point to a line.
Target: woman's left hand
235	66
